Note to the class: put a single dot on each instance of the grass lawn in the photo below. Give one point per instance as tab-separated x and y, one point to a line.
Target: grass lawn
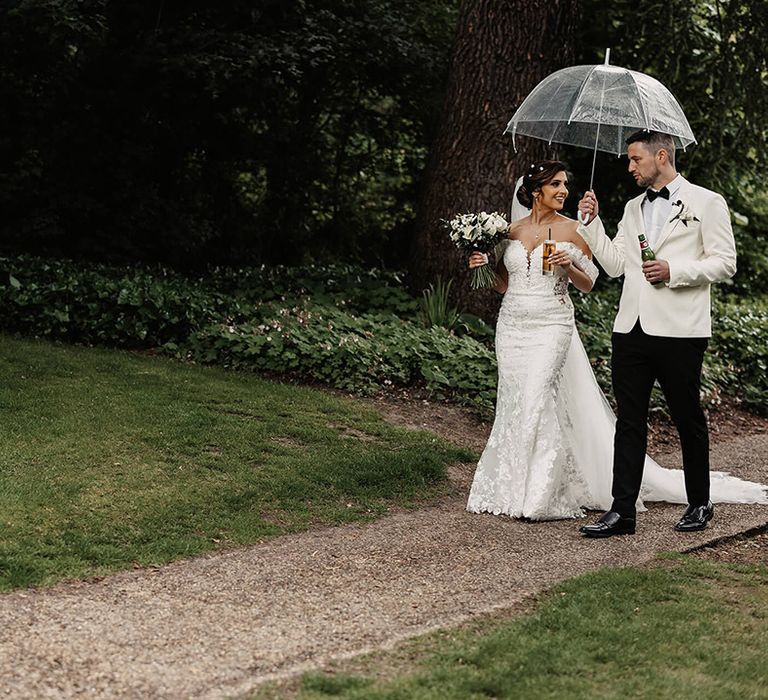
683	629
110	460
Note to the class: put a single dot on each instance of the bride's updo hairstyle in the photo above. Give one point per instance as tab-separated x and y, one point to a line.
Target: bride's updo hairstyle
538	174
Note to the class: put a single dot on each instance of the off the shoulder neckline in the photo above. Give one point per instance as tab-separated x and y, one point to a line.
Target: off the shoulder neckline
530	250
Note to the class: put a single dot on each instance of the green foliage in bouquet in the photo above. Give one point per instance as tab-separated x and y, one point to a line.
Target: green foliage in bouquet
482	233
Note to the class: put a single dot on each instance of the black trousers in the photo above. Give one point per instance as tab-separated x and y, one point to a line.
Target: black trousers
638	361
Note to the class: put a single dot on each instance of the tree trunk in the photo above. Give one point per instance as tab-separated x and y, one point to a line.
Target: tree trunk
503	49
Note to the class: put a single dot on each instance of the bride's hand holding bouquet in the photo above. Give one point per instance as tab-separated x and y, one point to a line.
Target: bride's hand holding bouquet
478	234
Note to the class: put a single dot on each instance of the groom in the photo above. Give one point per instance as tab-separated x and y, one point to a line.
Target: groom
663	323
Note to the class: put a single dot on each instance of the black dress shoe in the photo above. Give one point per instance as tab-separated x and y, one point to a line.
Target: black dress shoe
612	523
695	518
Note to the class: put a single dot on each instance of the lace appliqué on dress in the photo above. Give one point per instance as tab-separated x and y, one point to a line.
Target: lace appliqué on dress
527	468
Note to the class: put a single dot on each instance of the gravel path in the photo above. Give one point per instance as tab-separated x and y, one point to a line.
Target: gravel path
217	626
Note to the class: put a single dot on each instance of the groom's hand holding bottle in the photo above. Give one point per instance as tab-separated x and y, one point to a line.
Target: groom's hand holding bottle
656	271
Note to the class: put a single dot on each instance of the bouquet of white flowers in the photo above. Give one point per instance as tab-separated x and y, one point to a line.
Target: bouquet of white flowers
481	232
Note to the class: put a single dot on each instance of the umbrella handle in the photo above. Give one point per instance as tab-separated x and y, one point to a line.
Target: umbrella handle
584	220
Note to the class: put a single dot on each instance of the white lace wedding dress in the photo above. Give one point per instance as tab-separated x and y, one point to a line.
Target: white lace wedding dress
550	452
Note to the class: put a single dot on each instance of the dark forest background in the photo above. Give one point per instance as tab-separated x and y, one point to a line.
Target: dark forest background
195	133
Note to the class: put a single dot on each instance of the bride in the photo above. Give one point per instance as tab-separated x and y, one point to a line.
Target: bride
550	451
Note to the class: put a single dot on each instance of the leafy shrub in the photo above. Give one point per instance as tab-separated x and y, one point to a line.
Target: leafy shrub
594	321
307	327
353	329
345	286
738	352
354	353
129	307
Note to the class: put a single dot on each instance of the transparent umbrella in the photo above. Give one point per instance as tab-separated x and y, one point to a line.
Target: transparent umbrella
598	107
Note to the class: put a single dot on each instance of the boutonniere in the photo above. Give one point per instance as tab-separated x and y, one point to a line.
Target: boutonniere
684	214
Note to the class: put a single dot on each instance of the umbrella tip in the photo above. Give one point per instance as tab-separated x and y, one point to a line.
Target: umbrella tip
607	57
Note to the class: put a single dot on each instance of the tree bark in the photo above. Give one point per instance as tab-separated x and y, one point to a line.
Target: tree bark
503	49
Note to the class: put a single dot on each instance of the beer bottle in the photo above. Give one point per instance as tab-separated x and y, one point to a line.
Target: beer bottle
646	253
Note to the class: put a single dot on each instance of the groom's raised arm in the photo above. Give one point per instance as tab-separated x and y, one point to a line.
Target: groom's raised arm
609	253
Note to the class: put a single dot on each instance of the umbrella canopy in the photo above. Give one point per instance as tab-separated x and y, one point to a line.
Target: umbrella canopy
599	107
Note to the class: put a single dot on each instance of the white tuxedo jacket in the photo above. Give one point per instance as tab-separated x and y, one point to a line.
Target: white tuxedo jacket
698	252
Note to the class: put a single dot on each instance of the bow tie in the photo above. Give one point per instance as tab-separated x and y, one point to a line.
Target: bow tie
652	194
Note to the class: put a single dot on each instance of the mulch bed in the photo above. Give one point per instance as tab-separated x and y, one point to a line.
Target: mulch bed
726	421
750	548
414	408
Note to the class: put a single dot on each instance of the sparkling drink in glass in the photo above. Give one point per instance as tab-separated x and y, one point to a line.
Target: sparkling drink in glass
548	248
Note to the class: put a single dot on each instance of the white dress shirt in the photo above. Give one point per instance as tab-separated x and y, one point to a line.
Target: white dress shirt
657	212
